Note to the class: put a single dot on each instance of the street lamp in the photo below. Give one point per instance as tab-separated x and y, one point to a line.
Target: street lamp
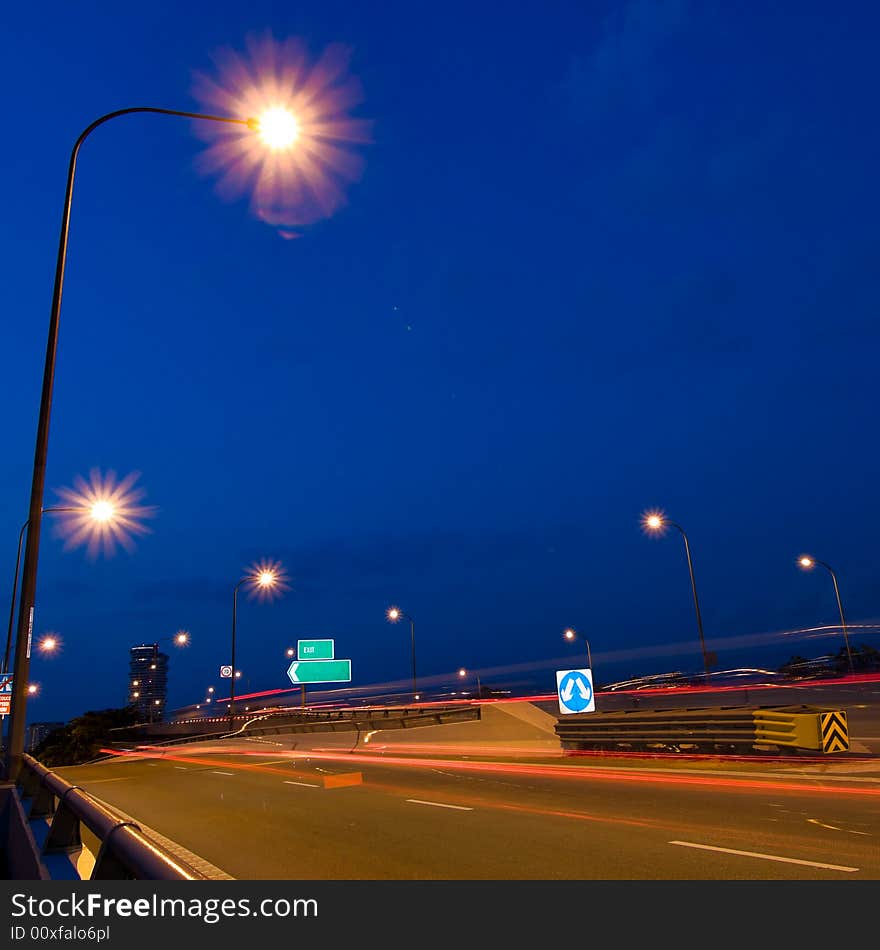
29	573
655	522
49	644
263	579
394	614
569	634
807	562
463	673
15	581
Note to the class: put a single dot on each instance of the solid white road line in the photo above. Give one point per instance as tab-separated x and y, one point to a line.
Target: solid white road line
99	781
222	773
418	801
182	768
766	857
307	784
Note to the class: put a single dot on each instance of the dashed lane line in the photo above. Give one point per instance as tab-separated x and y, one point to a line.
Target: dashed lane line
766	857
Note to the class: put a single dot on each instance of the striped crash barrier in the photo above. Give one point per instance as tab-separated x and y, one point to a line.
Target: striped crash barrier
730	729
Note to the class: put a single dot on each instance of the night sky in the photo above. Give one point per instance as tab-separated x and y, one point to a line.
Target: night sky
601	258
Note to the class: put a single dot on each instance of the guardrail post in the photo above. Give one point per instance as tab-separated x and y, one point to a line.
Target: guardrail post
28	782
108	867
42	801
64	833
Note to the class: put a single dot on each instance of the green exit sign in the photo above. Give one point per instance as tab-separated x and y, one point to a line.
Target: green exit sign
314	649
320	671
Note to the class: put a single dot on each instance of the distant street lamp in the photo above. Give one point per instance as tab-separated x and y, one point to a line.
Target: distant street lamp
15	746
656	522
569	634
48	644
12	599
394	614
807	562
263	579
463	673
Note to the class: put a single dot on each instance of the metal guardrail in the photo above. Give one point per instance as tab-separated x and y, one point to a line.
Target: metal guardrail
126	853
355	720
719	729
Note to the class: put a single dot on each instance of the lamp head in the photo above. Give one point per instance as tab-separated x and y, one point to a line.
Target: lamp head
806	562
277	127
394	614
102	511
653	521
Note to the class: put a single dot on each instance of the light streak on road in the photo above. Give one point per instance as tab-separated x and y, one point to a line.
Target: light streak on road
713	782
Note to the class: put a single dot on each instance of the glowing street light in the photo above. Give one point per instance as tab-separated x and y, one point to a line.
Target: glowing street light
463	673
49	644
570	635
394	614
317	101
85	513
210	689
655	522
33	689
264	581
290	651
807	562
277	127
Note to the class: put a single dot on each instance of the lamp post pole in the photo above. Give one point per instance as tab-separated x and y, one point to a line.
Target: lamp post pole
807	562
31	554
569	634
655	523
15	587
232	659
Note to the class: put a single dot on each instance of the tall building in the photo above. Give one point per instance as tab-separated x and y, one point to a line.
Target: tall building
148	681
37	731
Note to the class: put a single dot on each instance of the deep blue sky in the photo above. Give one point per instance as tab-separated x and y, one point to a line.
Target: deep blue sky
602	257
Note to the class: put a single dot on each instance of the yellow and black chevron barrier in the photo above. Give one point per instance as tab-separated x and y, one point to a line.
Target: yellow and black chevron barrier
726	729
833	730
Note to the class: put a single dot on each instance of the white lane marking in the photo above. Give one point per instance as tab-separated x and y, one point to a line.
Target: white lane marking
815	821
182	768
222	773
418	801
766	857
272	762
98	781
307	784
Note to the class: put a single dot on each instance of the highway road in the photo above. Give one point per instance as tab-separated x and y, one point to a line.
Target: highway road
260	811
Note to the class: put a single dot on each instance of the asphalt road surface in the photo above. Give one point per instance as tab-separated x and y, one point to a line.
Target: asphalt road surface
260	811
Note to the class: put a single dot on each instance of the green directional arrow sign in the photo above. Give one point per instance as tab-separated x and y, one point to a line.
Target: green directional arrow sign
314	649
320	671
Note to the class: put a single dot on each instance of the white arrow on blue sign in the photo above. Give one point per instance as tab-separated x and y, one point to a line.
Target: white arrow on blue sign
574	690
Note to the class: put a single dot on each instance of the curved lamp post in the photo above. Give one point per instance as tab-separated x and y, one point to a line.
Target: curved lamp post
12	599
807	562
29	571
394	614
263	580
463	673
569	634
656	523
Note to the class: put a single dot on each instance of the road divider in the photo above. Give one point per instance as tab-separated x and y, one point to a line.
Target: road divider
716	730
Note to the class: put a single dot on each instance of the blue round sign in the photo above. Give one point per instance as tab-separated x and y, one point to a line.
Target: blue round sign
575	691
